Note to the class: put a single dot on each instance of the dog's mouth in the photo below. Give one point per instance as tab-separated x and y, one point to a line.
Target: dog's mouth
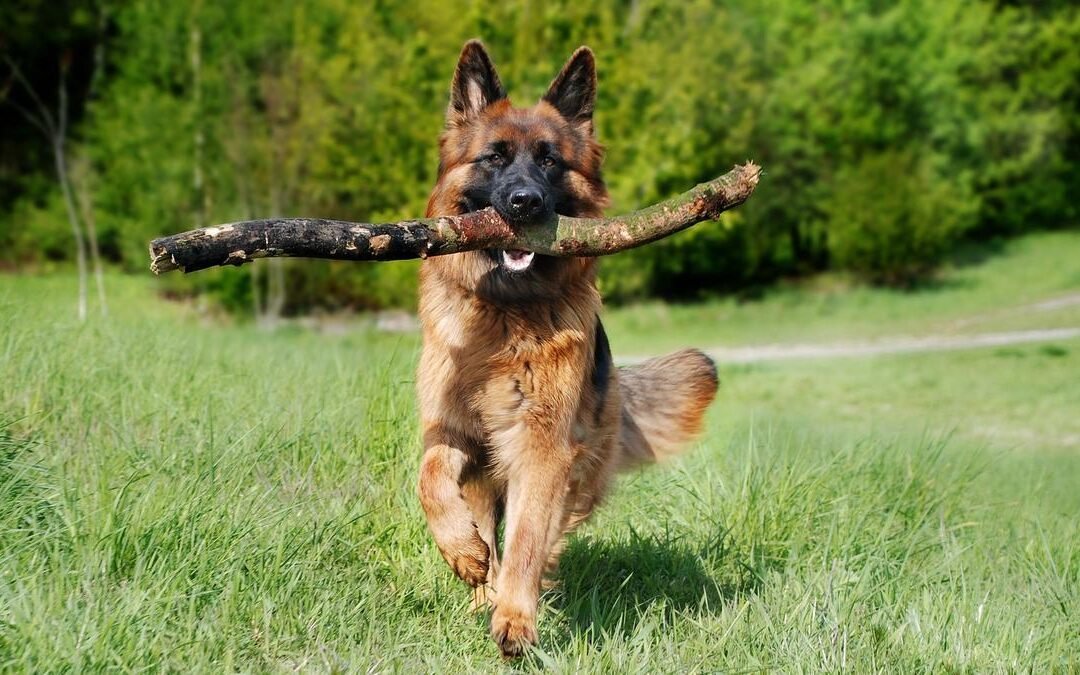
516	260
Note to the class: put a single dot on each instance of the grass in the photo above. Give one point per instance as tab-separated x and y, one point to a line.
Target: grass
177	495
979	291
1021	399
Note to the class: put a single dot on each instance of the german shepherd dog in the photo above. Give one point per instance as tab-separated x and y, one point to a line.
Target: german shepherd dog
525	420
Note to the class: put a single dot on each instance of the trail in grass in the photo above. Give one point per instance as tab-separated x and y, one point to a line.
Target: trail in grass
1053	304
876	347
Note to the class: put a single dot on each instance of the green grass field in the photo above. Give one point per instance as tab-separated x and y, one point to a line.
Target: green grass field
178	494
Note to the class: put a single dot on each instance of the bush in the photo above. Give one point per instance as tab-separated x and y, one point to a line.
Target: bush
707	259
890	219
310	285
37	231
332	109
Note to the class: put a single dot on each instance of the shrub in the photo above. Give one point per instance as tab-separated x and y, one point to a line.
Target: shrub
890	219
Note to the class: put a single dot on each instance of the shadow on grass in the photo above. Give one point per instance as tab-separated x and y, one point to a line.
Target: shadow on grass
970	253
607	588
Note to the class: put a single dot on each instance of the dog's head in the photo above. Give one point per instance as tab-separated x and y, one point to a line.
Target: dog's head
527	163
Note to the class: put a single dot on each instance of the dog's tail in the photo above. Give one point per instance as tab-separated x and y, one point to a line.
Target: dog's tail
663	404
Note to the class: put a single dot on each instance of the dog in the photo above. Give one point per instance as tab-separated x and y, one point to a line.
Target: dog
525	419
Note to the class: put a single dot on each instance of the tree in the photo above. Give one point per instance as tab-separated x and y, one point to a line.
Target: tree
54	127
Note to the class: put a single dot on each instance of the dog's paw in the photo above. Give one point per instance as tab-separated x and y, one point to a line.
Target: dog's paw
513	630
469	560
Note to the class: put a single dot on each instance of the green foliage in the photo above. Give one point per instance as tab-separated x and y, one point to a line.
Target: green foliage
335	286
43	232
917	218
311	285
212	112
39	36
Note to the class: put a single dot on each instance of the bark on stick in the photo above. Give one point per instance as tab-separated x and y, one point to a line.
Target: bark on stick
239	243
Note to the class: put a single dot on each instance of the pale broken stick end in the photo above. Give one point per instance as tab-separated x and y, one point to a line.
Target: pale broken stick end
753	171
161	260
750	175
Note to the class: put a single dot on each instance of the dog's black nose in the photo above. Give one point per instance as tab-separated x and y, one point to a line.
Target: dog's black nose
526	202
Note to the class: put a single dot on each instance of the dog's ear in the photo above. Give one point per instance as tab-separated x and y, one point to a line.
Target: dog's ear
573	91
476	85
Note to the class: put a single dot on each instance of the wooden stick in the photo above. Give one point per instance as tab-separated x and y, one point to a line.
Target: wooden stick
239	243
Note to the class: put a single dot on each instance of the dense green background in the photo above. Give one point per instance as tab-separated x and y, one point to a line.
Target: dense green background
889	130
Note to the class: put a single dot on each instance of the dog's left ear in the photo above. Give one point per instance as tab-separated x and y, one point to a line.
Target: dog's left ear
573	91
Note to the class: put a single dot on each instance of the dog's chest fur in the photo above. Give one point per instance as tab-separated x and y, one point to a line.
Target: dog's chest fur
492	374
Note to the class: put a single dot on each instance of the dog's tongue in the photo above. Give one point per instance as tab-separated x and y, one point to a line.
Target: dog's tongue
517	260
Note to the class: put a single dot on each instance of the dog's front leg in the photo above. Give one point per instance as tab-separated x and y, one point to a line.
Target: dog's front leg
451	521
535	501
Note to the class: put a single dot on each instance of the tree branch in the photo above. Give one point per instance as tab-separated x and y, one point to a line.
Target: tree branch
238	243
46	124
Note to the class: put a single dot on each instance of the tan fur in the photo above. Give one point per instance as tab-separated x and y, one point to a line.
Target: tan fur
515	428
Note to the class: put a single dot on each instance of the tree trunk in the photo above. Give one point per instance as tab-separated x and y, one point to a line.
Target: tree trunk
73	218
86	207
55	130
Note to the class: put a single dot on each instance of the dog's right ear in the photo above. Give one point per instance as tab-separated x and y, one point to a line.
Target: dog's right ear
476	85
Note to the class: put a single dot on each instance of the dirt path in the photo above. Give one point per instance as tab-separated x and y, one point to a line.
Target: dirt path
1042	306
892	345
889	345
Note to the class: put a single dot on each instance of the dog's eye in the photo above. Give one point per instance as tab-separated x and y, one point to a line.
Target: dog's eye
547	161
494	158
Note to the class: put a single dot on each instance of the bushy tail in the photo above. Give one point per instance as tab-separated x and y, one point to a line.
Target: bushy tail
664	401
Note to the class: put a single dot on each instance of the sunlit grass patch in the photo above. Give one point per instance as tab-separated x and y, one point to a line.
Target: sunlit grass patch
214	497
